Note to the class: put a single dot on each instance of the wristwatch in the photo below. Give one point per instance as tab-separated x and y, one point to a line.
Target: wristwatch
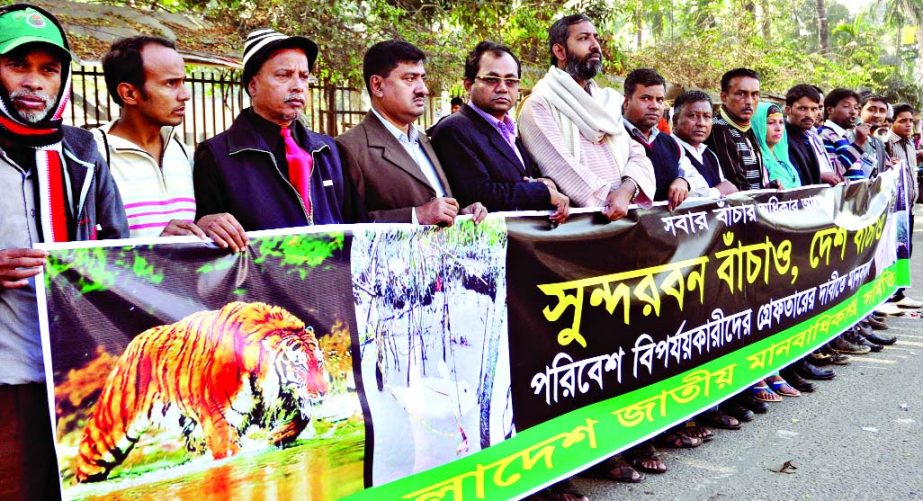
637	189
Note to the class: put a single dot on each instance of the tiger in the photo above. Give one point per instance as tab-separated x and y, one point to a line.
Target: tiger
222	370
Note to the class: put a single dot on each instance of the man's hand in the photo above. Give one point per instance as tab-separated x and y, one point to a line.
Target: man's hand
726	188
677	192
618	200
441	211
830	178
561	204
225	231
862	131
477	210
179	227
18	265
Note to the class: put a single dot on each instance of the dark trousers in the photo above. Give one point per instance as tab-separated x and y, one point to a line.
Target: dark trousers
899	294
28	467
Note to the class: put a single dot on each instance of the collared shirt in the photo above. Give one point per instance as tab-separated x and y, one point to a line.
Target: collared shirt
698	152
506	128
874	151
838	147
698	186
824	161
411	144
903	149
586	178
153	192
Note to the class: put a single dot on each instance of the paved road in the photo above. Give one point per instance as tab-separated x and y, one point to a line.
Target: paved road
860	436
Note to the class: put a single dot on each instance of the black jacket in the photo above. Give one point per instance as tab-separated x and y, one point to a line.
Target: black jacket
482	167
237	172
802	155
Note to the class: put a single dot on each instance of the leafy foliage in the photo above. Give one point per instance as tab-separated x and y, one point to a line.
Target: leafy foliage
691	42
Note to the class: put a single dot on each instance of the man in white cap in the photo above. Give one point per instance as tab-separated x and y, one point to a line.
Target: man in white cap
268	170
56	188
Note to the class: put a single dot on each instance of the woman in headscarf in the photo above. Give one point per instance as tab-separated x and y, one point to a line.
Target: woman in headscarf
769	127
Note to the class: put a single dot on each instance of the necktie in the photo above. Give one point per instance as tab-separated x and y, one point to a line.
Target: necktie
300	165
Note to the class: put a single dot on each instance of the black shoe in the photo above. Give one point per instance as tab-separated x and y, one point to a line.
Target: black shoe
876	316
752	403
799	383
736	410
881	339
809	371
864	328
874	323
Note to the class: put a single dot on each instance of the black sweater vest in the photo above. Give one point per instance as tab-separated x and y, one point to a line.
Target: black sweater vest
664	153
710	169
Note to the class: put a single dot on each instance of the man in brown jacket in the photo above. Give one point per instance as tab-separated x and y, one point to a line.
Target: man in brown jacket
396	174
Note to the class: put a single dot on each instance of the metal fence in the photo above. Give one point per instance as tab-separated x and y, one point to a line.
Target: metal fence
217	98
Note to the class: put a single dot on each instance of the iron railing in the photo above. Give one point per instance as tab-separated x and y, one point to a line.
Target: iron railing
217	98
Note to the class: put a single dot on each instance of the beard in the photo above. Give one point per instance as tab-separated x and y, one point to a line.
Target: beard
583	68
32	116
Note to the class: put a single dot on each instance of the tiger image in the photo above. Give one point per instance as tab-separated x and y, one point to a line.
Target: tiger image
221	371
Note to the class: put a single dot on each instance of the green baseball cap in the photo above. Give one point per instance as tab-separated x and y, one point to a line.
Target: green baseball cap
29	25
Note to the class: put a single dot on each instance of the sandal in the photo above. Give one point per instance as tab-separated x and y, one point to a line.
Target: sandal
718	419
782	387
564	490
615	469
700	432
654	464
677	440
763	393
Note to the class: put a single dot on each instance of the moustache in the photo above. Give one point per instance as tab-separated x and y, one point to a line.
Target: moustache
27	94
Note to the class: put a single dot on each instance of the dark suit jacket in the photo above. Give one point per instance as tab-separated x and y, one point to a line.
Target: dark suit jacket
802	155
482	167
389	184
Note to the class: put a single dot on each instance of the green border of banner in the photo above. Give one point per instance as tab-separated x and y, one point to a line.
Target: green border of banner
557	449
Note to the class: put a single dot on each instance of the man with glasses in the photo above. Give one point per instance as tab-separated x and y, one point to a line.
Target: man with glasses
478	146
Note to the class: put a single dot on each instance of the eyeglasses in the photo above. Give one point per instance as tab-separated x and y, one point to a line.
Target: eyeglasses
495	81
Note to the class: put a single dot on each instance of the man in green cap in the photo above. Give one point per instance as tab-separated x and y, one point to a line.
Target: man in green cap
55	188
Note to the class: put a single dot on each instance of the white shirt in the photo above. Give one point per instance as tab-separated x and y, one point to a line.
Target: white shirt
698	152
153	193
698	186
411	144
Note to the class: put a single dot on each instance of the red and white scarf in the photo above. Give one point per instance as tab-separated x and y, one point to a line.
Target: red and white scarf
45	137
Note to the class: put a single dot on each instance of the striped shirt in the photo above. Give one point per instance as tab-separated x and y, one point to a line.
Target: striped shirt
588	181
153	195
738	155
838	146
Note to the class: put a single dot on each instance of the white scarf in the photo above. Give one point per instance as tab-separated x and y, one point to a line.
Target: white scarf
596	115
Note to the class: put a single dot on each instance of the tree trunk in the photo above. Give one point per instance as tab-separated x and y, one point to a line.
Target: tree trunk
639	26
765	20
822	33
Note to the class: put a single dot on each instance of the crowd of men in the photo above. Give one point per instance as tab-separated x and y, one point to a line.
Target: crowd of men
575	143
